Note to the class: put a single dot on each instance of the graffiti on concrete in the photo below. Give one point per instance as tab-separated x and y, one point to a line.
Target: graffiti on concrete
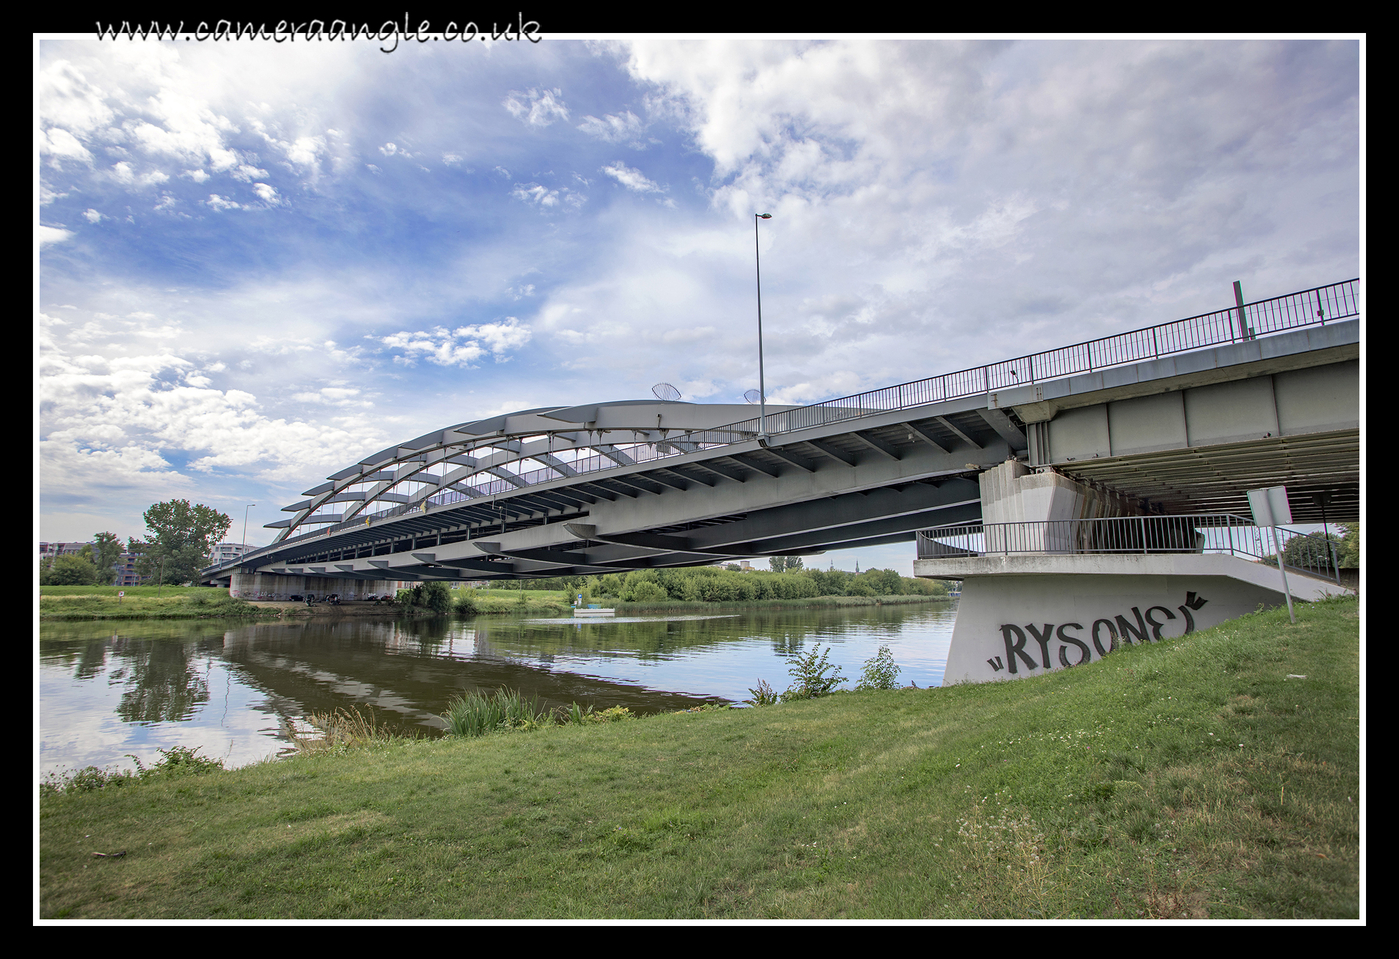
1075	647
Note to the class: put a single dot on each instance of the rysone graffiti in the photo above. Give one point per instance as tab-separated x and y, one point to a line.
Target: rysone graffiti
1074	648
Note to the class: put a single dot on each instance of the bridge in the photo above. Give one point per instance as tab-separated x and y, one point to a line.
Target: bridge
1182	417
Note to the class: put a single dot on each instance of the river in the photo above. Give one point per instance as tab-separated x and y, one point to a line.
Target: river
109	691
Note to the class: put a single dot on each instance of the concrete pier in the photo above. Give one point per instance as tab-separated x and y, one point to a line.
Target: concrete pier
269	587
1041	606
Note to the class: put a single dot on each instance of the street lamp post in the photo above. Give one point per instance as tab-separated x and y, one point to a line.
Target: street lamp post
245	526
762	386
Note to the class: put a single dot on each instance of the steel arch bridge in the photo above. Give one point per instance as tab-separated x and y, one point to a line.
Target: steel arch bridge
491	459
642	484
596	489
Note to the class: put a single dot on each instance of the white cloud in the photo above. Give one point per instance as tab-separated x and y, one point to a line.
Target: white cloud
61	143
331	396
52	234
536	194
633	180
625	128
537	108
463	346
123	414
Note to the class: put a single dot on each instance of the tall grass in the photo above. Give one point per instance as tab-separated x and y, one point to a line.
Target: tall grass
339	730
475	714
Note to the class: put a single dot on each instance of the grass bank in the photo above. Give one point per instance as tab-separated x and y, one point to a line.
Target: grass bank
144	602
1213	776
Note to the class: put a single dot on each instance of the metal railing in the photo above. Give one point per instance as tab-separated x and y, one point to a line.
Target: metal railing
1309	553
1314	307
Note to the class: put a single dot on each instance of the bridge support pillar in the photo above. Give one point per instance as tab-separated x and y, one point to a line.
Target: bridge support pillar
1012	493
269	587
1026	613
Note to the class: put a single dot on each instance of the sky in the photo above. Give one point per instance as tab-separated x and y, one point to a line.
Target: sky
256	262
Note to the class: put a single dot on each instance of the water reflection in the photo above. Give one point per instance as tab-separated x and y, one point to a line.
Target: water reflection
107	691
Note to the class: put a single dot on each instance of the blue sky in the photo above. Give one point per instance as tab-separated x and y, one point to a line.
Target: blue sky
257	262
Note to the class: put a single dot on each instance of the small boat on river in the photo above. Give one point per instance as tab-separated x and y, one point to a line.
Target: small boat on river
592	612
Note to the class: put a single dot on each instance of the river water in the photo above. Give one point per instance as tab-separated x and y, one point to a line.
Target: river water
108	691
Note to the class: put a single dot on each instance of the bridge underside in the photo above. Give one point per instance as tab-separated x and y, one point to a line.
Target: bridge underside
1197	444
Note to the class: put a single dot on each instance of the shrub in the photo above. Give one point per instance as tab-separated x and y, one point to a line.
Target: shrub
763	695
644	592
175	761
814	675
435	596
880	671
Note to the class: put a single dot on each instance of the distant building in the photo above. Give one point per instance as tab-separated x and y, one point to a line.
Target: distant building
55	550
125	566
126	571
228	552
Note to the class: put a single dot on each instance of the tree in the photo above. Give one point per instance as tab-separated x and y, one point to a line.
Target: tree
1349	547
70	571
180	539
789	564
107	552
1312	551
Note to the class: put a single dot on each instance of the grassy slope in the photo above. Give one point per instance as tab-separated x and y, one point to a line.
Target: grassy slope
141	602
1188	779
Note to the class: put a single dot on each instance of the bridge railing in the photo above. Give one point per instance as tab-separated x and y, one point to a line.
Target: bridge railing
1310	553
1314	307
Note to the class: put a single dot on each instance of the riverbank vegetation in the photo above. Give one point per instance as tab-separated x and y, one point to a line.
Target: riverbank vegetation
710	584
639	591
1211	776
144	602
700	589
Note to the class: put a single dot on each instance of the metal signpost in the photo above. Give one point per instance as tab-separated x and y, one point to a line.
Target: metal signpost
1270	509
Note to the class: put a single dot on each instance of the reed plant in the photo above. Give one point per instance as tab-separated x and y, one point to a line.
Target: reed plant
474	714
339	730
